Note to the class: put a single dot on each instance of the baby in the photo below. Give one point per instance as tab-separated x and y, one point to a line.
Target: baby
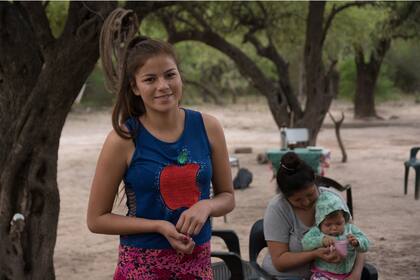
333	230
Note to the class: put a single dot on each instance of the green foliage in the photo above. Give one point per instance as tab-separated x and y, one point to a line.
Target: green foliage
384	91
404	58
417	98
152	27
347	79
210	67
95	94
285	23
57	15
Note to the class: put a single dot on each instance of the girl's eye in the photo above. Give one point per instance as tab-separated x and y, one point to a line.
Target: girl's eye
149	80
171	74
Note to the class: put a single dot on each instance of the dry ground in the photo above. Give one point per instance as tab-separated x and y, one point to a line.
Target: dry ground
376	151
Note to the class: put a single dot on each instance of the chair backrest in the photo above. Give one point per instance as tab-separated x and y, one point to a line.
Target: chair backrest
295	136
328	182
413	153
256	240
331	183
230	238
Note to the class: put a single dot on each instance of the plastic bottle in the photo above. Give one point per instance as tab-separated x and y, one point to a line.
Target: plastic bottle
283	138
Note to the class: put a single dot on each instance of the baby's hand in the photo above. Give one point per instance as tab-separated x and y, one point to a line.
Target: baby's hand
328	241
353	240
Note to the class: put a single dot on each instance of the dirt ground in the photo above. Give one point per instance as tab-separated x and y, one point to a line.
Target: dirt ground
376	152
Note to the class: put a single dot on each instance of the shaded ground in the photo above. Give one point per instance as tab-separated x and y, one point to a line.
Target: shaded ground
376	151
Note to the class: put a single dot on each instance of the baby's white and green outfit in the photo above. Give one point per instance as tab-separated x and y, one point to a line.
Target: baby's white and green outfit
327	203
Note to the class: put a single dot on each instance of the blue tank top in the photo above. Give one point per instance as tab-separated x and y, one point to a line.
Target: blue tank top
164	179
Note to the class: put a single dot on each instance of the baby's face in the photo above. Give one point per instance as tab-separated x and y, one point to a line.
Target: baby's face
333	226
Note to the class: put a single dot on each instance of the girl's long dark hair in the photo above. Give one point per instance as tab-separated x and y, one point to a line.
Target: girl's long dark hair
123	52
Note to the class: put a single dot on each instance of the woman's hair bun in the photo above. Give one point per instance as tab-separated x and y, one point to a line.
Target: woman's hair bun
290	161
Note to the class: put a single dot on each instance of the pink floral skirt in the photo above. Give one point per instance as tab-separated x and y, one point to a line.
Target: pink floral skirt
163	264
319	274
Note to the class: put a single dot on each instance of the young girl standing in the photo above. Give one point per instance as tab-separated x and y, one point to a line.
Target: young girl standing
167	157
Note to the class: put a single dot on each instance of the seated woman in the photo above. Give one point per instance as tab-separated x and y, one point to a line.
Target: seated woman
288	217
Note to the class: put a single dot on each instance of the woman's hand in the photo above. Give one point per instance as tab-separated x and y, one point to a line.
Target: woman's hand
192	220
180	242
328	254
328	241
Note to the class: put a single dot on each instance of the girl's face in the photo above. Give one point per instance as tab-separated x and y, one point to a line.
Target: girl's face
304	199
334	225
158	83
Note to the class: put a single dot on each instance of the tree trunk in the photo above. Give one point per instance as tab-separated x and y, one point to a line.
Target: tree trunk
364	101
318	94
40	78
366	78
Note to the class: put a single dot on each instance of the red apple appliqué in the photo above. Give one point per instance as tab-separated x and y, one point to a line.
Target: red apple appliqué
178	185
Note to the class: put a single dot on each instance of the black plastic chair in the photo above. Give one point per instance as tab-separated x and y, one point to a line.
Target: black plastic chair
415	163
331	183
232	267
257	243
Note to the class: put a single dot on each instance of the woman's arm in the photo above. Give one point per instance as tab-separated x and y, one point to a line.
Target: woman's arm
356	272
284	260
223	201
112	163
192	220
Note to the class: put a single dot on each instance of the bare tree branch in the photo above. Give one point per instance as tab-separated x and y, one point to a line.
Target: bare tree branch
405	36
337	126
335	10
197	16
185	21
282	66
331	67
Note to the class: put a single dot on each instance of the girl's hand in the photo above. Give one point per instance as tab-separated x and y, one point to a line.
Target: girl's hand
328	254
353	240
180	242
328	241
192	220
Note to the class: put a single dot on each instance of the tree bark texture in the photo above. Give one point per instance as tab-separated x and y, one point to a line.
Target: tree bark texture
40	77
318	95
367	74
